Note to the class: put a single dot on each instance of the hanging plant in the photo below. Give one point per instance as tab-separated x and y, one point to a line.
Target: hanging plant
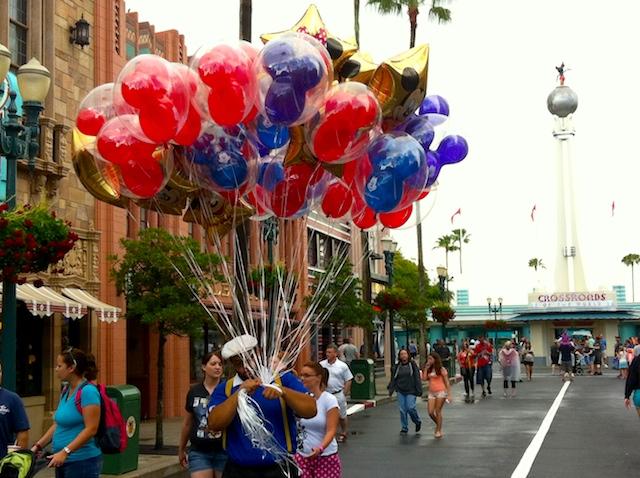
443	313
392	299
496	325
32	238
267	276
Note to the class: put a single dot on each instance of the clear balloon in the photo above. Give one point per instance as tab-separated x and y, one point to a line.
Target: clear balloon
95	109
347	120
118	141
293	73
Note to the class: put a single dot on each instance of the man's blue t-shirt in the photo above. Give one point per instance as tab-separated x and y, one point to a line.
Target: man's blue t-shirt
13	419
239	447
70	422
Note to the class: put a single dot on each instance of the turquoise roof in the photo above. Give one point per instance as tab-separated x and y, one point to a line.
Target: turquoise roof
577	315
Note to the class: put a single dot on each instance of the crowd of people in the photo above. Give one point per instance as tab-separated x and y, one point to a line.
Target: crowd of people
307	414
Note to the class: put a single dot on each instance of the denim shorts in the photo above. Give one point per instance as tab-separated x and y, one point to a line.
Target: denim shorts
206	460
89	468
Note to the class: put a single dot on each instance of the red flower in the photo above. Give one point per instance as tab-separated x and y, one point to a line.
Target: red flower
26	268
17	233
21	280
4	207
38	283
8	242
73	236
3	223
28	223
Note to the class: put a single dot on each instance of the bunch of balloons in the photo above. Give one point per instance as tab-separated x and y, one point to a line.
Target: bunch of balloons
270	131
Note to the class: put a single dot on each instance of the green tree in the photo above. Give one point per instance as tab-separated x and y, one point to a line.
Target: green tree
436	12
158	283
342	294
448	243
460	237
632	260
536	264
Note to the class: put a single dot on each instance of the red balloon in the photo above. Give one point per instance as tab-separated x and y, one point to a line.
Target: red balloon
396	219
252	198
287	198
223	63
251	115
118	145
423	195
90	120
143	178
337	200
191	129
365	219
140	89
158	121
227	104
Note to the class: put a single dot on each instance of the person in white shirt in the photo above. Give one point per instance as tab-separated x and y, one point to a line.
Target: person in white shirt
318	452
339	384
348	352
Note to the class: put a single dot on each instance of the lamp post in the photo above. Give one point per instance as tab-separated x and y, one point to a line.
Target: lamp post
18	140
389	247
442	282
270	236
495	309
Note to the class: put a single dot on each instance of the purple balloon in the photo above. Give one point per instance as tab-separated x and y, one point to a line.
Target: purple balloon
399	154
283	104
420	128
275	56
435	108
453	149
434	166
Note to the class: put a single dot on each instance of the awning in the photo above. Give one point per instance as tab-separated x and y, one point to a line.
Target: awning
44	301
106	312
587	315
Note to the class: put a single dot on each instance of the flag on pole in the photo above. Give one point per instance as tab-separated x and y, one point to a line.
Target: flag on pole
458	212
613	208
533	213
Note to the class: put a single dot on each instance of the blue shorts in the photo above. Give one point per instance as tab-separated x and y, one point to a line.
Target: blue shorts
201	460
636	398
484	373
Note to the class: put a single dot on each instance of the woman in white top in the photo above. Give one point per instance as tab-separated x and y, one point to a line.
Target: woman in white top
510	363
317	454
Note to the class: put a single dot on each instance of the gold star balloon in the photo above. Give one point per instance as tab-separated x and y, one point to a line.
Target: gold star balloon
312	24
359	67
215	213
400	83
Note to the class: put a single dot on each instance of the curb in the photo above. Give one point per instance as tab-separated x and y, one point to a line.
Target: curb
359	406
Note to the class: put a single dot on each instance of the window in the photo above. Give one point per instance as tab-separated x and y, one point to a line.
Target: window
18	31
131	50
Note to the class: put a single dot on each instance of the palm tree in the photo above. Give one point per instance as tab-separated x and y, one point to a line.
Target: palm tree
461	237
436	12
631	260
447	243
356	20
536	264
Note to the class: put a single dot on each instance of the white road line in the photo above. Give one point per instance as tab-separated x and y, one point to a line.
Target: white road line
526	462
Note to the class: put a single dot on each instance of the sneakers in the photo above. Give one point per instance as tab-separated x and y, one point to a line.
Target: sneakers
418	427
489	390
404	431
484	394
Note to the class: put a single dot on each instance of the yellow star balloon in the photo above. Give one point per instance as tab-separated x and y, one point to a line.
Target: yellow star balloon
312	24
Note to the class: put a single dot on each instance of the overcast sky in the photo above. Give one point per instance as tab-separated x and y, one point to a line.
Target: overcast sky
495	65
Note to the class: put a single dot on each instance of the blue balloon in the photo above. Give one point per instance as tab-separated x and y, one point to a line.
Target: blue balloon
420	128
270	135
270	174
228	169
202	150
435	108
453	149
401	155
275	54
283	104
383	192
433	167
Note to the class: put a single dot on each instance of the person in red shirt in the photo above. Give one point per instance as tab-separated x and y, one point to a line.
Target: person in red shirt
467	360
484	354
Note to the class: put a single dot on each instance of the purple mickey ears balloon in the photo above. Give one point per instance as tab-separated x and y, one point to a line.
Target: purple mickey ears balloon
435	108
434	165
420	128
453	149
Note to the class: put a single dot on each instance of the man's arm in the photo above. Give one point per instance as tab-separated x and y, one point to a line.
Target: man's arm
222	415
302	404
22	439
347	387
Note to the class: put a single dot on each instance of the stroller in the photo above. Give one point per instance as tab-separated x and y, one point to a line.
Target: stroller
577	364
21	464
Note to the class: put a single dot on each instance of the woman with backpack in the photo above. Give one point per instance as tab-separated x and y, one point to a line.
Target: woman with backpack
406	382
75	452
206	457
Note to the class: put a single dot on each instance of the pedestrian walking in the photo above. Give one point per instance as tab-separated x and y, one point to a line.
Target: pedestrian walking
632	384
348	352
484	354
339	385
317	454
555	357
444	352
206	456
75	452
567	350
14	424
439	389
509	360
467	361
623	363
596	364
405	381
528	358
276	407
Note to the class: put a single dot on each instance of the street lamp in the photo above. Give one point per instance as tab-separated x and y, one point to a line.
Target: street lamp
389	247
493	309
18	140
442	281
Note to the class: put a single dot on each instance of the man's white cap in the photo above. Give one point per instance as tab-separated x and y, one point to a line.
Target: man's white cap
239	345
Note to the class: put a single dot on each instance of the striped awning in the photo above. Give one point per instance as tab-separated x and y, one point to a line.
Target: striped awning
43	302
105	312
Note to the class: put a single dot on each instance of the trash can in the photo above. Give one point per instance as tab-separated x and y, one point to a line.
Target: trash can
128	399
363	386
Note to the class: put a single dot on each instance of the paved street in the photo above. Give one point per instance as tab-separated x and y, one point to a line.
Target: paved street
592	434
